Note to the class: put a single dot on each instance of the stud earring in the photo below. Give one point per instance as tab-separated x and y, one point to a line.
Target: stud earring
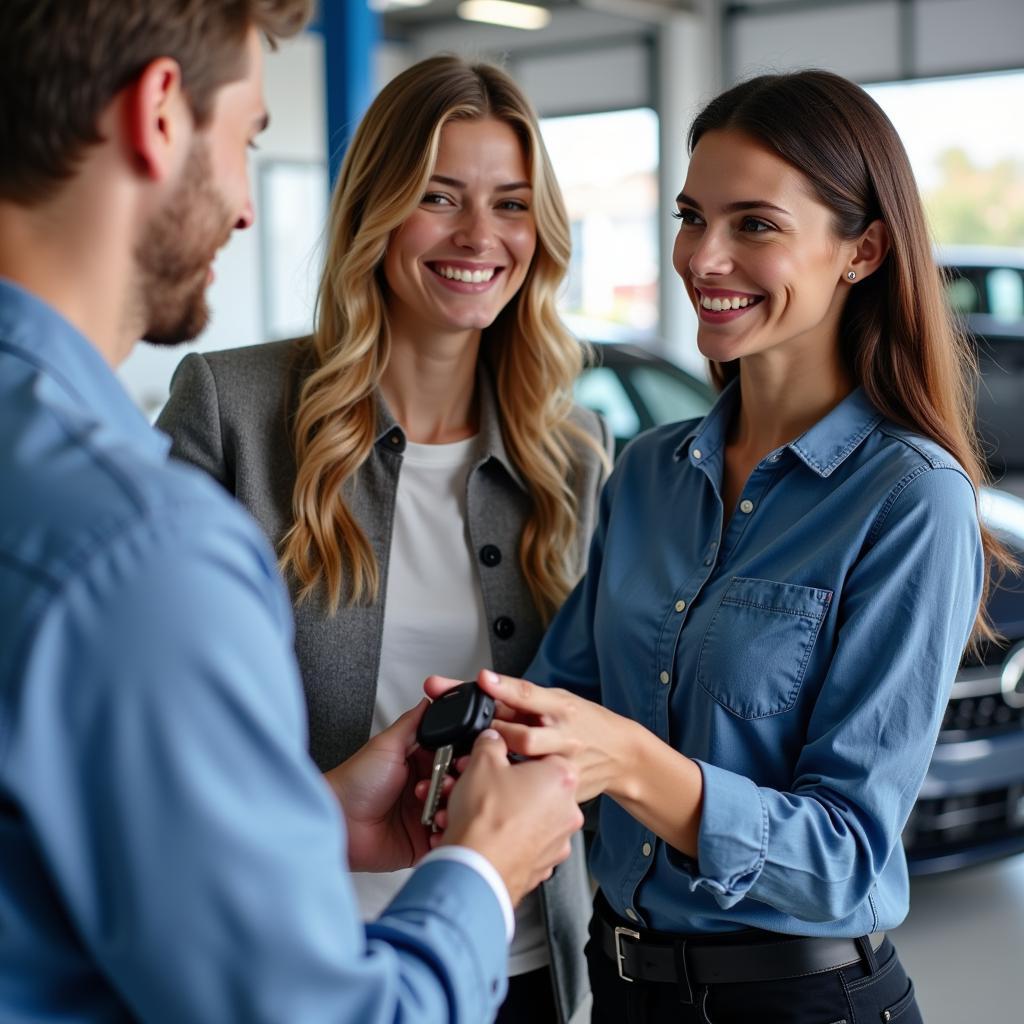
851	275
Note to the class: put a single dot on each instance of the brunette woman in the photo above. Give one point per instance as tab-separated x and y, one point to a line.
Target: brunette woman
754	669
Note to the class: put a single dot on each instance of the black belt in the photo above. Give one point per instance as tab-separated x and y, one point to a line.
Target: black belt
642	955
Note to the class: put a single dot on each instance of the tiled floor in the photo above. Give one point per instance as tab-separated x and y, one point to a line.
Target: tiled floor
963	944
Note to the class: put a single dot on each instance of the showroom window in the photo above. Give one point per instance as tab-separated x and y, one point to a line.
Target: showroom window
968	159
607	164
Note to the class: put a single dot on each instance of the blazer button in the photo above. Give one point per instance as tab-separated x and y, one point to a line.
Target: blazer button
504	627
490	555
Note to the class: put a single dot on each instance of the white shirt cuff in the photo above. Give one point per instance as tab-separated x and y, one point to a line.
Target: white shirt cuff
483	867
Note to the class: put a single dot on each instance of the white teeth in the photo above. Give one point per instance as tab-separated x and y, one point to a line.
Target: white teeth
721	305
469	276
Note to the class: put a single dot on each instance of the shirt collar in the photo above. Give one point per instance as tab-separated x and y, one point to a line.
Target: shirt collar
37	333
490	441
822	448
837	435
708	435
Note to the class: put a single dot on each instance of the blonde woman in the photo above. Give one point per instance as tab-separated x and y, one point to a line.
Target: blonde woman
418	462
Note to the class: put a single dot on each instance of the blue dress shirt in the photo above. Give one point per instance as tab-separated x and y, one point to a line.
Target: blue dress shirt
168	852
803	657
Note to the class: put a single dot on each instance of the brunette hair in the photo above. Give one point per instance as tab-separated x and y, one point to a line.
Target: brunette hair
63	61
898	338
533	358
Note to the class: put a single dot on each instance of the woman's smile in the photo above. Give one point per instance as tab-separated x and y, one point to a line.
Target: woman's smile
463	277
722	305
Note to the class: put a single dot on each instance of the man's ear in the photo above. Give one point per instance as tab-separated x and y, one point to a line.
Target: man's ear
158	120
870	250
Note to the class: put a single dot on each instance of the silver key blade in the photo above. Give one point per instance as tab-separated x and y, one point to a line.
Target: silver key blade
442	762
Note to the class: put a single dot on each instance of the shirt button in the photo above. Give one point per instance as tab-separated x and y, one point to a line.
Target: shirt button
646	848
697	454
631	914
773	458
504	627
708	561
680	605
746	506
664	677
490	555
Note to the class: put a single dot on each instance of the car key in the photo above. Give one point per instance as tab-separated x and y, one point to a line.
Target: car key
449	727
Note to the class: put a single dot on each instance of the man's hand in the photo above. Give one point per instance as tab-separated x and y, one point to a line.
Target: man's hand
519	816
376	790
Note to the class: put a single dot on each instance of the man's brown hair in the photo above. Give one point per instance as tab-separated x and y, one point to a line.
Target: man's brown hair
63	61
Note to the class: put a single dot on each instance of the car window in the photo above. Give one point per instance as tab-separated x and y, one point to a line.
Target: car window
668	398
600	389
1005	292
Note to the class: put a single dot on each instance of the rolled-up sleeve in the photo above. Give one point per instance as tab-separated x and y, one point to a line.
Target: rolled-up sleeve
816	850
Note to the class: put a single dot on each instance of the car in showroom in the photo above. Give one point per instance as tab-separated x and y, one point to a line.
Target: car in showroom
985	286
971	807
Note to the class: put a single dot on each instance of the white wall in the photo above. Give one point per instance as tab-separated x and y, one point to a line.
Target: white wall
877	40
294	93
689	75
858	40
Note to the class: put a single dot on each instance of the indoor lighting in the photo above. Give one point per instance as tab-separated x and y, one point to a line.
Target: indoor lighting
383	6
504	12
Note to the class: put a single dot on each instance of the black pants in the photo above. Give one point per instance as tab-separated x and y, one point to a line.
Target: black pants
859	994
530	999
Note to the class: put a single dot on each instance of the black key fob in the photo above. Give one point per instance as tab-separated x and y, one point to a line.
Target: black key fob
456	718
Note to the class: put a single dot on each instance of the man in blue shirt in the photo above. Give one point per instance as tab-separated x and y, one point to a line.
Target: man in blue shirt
169	853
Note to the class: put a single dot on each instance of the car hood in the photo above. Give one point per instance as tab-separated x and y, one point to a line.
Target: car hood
1003	513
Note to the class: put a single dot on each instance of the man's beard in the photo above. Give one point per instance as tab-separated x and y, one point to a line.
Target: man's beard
174	255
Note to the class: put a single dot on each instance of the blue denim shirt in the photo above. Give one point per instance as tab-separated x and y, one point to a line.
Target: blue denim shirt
168	851
803	657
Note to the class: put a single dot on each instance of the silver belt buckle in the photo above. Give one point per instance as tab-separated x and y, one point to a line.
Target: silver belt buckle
619	955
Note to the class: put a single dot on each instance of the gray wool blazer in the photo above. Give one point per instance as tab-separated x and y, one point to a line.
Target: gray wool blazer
229	414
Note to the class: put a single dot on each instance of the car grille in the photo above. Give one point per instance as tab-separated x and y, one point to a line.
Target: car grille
970	819
978	708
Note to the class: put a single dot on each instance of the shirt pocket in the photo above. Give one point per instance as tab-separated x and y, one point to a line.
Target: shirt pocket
755	651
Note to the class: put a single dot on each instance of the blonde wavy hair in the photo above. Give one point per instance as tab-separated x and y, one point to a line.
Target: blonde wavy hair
533	358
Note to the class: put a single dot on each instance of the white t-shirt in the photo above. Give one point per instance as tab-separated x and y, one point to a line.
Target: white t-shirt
434	622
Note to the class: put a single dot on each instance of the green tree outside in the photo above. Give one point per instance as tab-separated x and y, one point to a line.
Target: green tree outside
977	205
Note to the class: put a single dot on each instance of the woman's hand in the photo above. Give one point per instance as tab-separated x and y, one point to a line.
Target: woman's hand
535	721
662	788
376	790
